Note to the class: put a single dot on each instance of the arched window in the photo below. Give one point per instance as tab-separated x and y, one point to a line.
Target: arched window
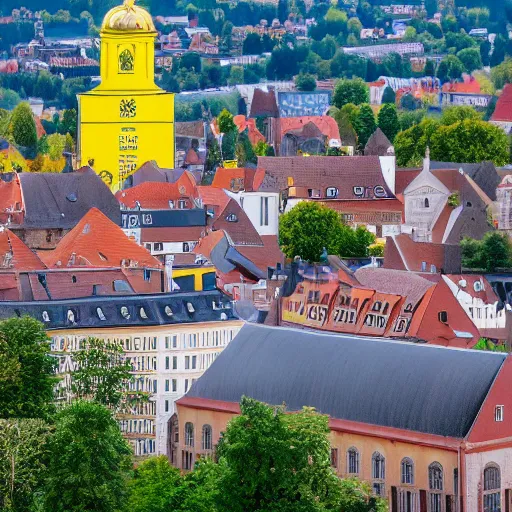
492	488
435	476
407	471
206	443
426	202
353	461
435	482
378	473
378	466
189	434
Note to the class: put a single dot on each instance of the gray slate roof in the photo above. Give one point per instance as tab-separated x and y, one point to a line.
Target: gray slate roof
54	200
484	174
86	314
419	388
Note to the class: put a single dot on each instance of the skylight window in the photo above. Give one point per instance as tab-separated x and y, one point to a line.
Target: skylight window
71	316
101	315
46	316
190	307
143	314
125	313
168	311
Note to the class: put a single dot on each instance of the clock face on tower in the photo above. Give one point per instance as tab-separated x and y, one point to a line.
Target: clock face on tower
127	109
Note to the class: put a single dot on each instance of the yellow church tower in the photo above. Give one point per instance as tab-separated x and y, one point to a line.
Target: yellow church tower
127	120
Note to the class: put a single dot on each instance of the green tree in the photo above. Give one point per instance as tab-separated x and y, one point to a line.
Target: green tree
191	61
502	74
276	461
23	126
350	91
367	124
252	44
154	486
88	461
411	144
236	75
69	123
430	68
471	59
410	35
450	68
389	95
452	115
307	228
225	122
56	145
487	345
44	86
37	164
24	348
101	372
305	82
489	254
472	142
9	99
388	121
23	459
213	157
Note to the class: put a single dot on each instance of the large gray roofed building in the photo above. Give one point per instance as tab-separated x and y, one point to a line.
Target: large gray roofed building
433	390
53	200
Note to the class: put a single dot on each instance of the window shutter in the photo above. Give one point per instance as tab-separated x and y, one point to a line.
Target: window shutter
394	499
449	503
423	501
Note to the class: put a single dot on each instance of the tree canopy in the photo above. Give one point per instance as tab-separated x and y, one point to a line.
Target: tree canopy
23	126
350	91
309	227
26	370
493	252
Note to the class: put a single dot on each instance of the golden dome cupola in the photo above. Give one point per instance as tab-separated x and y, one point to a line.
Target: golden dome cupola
128	18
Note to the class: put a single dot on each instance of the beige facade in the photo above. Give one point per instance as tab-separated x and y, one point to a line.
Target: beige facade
166	360
352	455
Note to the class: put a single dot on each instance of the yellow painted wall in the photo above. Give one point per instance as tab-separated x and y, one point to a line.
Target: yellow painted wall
127	120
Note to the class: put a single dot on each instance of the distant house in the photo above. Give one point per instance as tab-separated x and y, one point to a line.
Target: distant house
379	145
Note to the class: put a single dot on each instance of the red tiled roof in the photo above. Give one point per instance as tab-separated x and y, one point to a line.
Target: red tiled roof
486	294
503	110
10	197
241	231
264	104
404	252
97	242
212	196
326	124
470	85
246	179
364	205
242	123
156	196
15	255
346	173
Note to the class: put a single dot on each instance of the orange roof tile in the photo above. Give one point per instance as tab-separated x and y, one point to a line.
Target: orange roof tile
15	255
470	85
326	124
254	134
245	179
212	196
97	242
156	196
503	110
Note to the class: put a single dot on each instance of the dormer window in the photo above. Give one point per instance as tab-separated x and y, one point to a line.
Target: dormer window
314	193
223	316
171	204
125	313
46	317
332	192
100	314
71	316
168	311
190	307
478	286
232	218
143	314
